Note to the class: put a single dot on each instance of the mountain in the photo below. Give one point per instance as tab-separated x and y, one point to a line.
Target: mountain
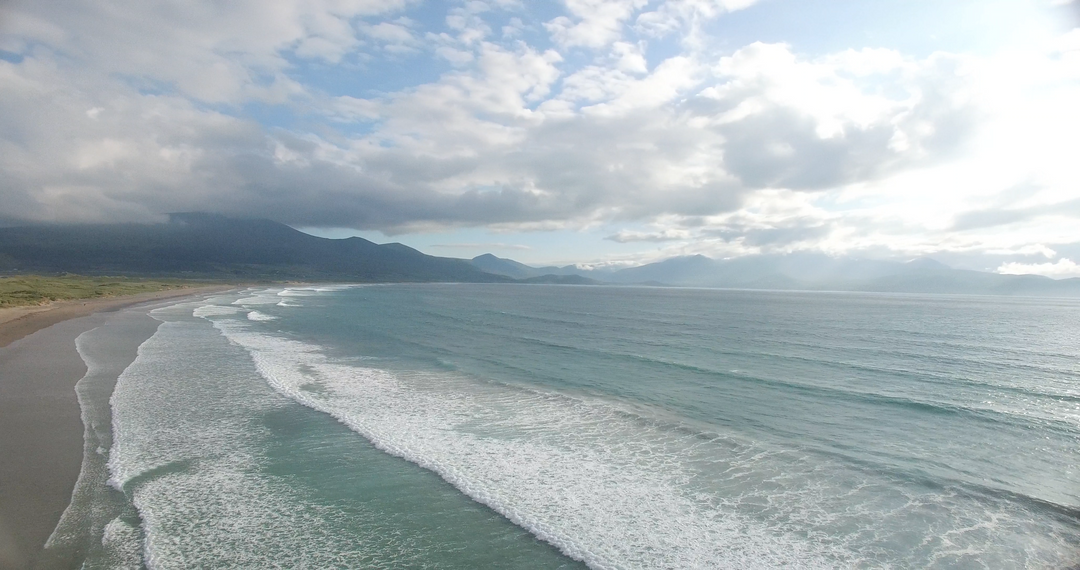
694	270
812	271
517	270
562	280
506	267
816	271
212	246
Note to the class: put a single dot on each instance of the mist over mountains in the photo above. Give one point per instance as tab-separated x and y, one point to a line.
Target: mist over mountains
804	271
209	246
200	245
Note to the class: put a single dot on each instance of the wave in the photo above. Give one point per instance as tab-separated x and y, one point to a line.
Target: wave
1059	411
91	527
259	297
186	455
257	316
215	311
563	469
618	489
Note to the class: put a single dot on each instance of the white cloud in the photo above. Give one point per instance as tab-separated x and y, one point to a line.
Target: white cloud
395	37
627	236
678	15
482	246
595	23
213	52
1062	269
758	148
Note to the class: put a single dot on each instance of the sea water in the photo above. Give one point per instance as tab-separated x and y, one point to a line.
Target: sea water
511	426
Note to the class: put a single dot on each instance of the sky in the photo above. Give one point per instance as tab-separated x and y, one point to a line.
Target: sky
596	132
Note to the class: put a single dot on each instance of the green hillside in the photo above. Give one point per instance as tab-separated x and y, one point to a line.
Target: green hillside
28	290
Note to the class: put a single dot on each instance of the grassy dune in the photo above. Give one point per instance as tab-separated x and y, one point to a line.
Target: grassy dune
24	290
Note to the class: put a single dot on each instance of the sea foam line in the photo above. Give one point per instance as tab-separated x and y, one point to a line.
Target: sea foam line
574	474
93	514
184	453
68	528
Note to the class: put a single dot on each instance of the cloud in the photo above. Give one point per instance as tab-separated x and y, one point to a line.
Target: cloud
496	142
814	124
990	218
677	15
594	23
124	113
1061	269
212	52
626	236
482	245
394	37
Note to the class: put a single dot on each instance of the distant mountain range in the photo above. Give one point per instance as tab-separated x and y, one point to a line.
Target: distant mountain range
209	246
805	271
517	270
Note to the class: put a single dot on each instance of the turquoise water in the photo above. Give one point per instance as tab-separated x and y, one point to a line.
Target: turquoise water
508	426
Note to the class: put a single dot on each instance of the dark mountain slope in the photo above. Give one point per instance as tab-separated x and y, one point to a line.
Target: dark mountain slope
207	245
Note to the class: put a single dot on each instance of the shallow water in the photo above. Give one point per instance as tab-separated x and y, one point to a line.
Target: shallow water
463	426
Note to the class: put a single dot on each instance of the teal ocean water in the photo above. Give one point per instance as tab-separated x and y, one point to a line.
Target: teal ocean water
510	426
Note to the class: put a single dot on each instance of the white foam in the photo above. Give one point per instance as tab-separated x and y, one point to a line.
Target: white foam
70	527
257	316
313	290
215	311
123	545
186	451
259	297
579	475
338	287
298	292
620	490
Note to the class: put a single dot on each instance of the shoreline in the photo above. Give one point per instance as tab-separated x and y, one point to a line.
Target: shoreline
40	415
19	322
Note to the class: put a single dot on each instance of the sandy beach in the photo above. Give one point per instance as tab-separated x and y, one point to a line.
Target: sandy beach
18	322
42	443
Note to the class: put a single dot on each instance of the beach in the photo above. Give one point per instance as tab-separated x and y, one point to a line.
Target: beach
501	426
42	446
504	426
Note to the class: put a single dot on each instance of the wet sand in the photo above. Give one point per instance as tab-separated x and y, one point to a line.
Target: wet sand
41	431
18	322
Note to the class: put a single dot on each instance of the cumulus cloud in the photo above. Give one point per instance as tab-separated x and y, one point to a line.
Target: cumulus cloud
592	23
678	15
124	112
1061	269
210	51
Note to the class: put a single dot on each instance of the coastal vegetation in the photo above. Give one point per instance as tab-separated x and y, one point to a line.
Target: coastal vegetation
29	290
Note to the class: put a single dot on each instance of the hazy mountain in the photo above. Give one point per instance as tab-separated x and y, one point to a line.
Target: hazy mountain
813	271
695	270
203	245
562	280
507	267
517	270
822	272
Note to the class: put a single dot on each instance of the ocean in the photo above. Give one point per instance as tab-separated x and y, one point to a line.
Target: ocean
520	426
